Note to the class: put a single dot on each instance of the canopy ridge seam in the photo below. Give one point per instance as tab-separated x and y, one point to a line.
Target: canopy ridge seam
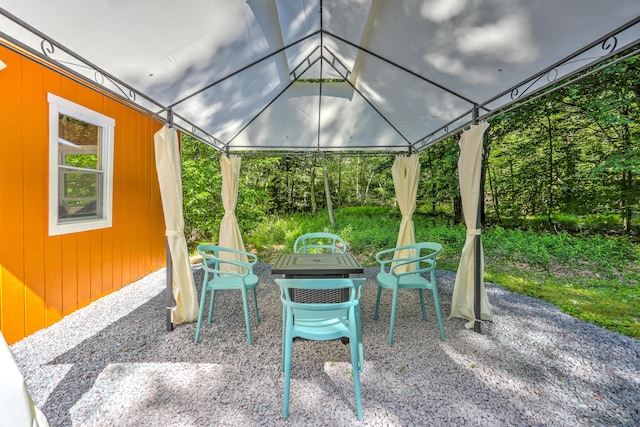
309	65
365	98
241	69
400	67
294	73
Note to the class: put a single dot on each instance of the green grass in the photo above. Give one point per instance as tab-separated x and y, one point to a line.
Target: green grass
591	277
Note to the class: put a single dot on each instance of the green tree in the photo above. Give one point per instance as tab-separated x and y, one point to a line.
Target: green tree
609	102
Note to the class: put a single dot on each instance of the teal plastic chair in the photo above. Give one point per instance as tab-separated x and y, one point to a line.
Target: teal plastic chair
322	322
319	243
217	277
391	276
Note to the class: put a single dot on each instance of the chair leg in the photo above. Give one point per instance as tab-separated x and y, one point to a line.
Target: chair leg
247	320
394	304
288	343
353	344
375	313
359	338
284	324
424	311
203	298
213	297
255	304
436	302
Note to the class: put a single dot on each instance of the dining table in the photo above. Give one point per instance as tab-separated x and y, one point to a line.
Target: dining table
322	265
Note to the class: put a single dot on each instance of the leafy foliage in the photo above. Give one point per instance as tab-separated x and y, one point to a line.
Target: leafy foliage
561	198
594	278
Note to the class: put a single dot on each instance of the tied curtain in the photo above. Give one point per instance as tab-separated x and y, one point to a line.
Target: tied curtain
469	168
406	172
169	177
230	235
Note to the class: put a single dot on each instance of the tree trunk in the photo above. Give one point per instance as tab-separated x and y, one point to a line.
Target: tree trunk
494	197
366	190
457	209
626	184
327	191
339	192
627	210
550	207
314	206
483	182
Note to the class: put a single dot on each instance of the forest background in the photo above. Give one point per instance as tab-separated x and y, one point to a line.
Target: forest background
561	185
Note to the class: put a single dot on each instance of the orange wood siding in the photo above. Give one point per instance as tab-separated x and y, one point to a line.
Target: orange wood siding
35	166
42	277
12	290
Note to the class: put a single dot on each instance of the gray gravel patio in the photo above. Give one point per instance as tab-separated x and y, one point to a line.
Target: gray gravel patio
114	364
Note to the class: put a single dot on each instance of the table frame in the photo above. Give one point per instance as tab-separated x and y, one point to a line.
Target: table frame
301	266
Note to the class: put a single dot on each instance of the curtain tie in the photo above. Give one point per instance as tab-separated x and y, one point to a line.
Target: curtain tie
474	231
174	233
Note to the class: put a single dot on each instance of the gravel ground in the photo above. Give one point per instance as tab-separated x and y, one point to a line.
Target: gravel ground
114	363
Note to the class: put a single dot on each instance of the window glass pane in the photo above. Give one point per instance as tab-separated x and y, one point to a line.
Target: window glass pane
79	182
78	143
80	194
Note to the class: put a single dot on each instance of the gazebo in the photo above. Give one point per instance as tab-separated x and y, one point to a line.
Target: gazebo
313	75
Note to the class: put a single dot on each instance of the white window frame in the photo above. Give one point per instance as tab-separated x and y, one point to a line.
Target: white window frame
57	106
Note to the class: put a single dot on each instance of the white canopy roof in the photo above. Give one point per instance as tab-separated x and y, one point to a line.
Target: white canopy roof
314	75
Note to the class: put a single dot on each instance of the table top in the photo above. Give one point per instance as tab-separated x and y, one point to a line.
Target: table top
317	264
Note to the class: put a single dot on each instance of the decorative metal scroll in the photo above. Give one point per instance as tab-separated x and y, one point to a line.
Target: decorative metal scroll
69	62
551	76
201	135
443	132
542	83
599	51
62	57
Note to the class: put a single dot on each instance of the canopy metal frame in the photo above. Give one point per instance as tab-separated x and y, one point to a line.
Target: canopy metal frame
63	59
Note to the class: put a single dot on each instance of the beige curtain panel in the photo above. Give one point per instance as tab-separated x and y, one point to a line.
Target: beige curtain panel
406	172
230	235
169	177
469	168
16	406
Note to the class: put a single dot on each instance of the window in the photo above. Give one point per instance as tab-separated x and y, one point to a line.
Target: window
80	168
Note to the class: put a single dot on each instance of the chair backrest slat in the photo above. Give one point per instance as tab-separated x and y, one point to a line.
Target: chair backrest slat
319	242
355	286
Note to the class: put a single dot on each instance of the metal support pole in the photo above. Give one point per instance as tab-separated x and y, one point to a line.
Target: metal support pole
477	240
169	290
169	286
477	280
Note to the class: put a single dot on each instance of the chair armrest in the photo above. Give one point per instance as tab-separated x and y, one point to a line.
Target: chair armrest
419	266
385	257
380	255
389	264
212	260
253	258
216	268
